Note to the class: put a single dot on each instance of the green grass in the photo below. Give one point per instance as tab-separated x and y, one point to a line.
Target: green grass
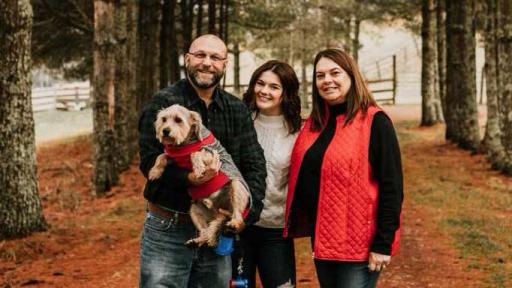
476	218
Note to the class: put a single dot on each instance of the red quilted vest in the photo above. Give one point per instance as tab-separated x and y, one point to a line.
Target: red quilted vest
347	203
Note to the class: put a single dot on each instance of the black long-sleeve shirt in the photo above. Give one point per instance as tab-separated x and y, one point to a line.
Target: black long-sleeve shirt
230	122
384	154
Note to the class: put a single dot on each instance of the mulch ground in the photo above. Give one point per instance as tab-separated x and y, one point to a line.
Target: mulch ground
94	241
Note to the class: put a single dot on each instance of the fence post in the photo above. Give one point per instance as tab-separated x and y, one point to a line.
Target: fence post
394	78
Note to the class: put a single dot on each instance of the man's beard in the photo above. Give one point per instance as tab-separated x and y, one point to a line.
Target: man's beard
194	77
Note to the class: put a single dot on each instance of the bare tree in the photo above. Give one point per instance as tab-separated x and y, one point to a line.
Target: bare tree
20	206
121	86
441	51
462	117
105	169
199	24
131	56
431	111
504	39
148	73
492	139
187	20
211	17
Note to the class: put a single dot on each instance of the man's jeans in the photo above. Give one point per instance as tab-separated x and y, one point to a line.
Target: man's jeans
165	261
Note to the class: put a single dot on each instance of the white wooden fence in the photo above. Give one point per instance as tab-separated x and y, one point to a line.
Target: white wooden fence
72	96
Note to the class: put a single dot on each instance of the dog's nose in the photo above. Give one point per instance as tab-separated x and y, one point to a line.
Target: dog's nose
166	132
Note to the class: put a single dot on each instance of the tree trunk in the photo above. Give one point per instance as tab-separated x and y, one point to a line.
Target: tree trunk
199	24
431	111
441	52
492	139
355	41
304	84
20	207
150	13
462	126
105	170
211	17
131	56
236	67
504	40
122	111
187	18
174	66
221	19
226	23
165	43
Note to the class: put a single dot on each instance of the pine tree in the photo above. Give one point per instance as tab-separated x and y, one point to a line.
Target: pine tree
20	206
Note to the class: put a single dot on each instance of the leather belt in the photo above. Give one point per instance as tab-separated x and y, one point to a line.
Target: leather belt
178	217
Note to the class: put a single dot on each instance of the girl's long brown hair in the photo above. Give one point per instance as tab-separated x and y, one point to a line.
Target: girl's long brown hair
290	104
358	98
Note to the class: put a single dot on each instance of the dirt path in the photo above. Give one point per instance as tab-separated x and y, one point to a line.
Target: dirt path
94	242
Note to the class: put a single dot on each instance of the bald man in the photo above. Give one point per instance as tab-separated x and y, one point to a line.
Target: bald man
165	260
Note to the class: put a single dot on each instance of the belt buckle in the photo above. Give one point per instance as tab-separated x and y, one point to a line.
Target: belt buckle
175	218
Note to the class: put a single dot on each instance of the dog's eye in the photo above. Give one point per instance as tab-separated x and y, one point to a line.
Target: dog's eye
164	119
178	120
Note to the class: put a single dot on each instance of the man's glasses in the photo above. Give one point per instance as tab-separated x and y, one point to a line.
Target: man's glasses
202	56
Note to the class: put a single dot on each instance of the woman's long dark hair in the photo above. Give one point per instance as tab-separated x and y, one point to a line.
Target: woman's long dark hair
290	103
358	98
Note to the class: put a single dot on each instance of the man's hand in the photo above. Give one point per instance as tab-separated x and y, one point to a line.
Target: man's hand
378	262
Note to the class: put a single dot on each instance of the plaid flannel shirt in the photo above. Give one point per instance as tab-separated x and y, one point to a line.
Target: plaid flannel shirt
230	122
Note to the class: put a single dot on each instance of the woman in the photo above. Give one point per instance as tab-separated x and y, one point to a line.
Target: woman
345	187
273	96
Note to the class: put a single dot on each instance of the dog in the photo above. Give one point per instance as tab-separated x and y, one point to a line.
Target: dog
217	203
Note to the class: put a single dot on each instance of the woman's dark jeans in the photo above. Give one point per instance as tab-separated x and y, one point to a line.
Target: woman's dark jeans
345	274
265	249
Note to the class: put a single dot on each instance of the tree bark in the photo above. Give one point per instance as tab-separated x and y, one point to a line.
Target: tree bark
226	22
355	41
304	84
165	43
431	111
105	169
150	14
131	55
462	126
199	24
236	67
221	19
211	17
122	111
20	207
187	19
441	52
504	39
491	144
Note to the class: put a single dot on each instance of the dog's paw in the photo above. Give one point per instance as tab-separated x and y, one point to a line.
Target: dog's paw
235	225
212	241
196	242
155	173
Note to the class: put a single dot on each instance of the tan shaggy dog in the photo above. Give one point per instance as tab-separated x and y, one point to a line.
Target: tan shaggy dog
189	144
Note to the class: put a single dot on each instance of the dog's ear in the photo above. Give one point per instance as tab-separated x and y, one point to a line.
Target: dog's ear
196	123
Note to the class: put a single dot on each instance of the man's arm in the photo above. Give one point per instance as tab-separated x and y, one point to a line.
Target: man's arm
173	177
252	165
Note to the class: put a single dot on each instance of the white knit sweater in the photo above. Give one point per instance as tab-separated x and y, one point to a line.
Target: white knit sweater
277	144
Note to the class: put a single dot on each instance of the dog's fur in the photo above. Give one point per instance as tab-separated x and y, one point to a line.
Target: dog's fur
177	126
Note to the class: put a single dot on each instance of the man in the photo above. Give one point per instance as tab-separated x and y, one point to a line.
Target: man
165	260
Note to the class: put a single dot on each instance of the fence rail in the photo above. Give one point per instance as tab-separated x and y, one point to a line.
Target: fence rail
77	96
67	97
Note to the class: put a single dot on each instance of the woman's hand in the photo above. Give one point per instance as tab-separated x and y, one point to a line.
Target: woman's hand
378	262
